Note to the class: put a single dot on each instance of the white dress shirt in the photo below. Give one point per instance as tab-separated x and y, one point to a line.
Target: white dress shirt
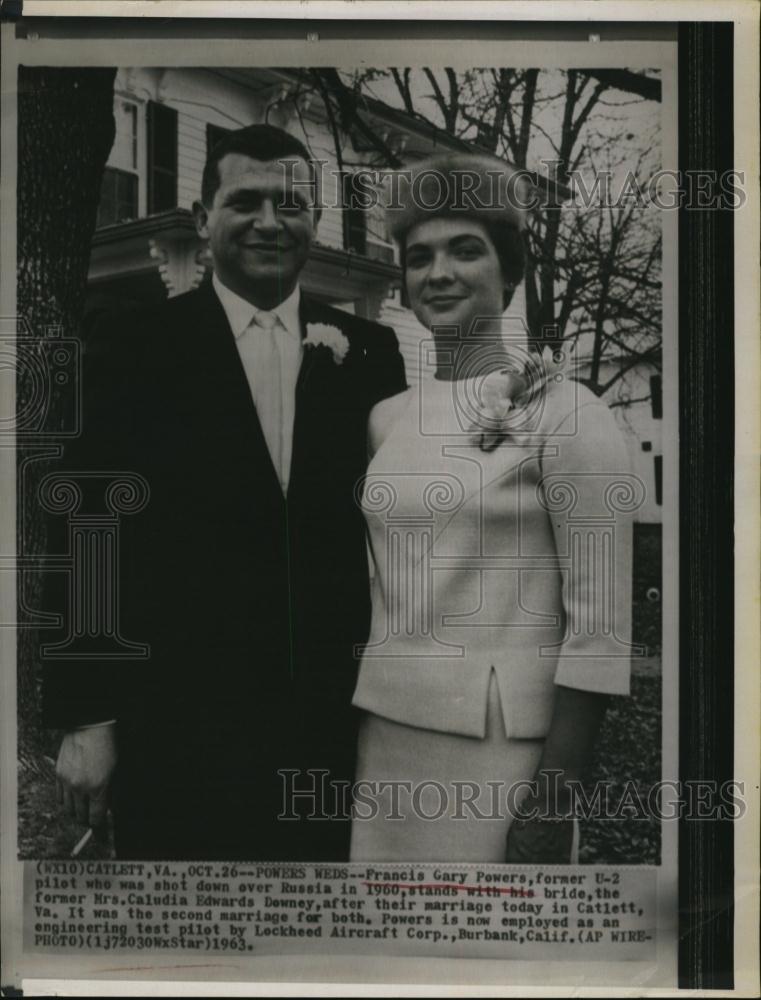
256	357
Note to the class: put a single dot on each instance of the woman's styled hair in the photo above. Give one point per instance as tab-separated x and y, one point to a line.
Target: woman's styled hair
466	186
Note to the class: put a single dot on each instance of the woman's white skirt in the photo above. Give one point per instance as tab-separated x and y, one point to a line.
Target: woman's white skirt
448	797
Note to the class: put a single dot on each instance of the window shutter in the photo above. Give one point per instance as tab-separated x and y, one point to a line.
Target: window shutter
658	470
656	397
162	157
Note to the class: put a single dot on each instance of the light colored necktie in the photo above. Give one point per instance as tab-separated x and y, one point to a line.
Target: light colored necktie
269	393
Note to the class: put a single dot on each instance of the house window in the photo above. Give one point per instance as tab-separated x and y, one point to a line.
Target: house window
355	230
354	216
162	157
118	197
119	187
656	397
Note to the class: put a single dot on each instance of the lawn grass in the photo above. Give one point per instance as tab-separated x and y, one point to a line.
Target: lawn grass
628	750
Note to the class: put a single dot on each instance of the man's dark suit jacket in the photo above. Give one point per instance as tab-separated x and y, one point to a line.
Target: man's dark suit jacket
252	604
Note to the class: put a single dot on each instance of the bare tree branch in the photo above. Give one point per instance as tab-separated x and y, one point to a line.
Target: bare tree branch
632	83
351	121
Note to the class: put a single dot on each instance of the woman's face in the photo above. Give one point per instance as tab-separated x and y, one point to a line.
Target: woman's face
453	273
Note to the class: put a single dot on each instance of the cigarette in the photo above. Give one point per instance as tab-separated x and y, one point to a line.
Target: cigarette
81	844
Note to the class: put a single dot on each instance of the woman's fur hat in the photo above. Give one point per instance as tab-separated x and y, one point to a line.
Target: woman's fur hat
468	185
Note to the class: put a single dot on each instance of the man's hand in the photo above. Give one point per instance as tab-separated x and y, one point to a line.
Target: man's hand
86	761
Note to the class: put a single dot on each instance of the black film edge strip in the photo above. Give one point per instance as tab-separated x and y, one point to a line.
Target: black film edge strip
706	363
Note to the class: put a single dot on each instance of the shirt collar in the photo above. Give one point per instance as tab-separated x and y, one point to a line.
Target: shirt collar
240	312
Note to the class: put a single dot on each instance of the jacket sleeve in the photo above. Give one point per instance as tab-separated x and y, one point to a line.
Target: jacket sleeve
79	690
591	495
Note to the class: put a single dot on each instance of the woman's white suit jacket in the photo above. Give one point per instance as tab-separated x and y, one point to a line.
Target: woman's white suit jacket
516	560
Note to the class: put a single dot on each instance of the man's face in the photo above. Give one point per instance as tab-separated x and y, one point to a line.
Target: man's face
260	226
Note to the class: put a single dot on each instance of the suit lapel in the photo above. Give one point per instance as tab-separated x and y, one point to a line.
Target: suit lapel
313	388
312	357
308	357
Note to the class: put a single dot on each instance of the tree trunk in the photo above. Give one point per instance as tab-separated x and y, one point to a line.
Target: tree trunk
65	134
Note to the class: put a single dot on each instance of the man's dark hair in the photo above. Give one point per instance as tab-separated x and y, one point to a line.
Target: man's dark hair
260	142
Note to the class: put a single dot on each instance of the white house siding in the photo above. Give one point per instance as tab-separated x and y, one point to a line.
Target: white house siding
191	156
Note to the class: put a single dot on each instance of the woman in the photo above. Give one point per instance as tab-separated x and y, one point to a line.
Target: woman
498	511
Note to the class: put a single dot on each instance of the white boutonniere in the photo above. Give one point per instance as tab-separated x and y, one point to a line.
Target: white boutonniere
323	335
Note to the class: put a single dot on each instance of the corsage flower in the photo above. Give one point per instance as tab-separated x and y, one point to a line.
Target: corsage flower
497	393
504	391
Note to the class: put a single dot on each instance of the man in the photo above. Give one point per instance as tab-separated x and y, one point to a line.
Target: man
244	406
